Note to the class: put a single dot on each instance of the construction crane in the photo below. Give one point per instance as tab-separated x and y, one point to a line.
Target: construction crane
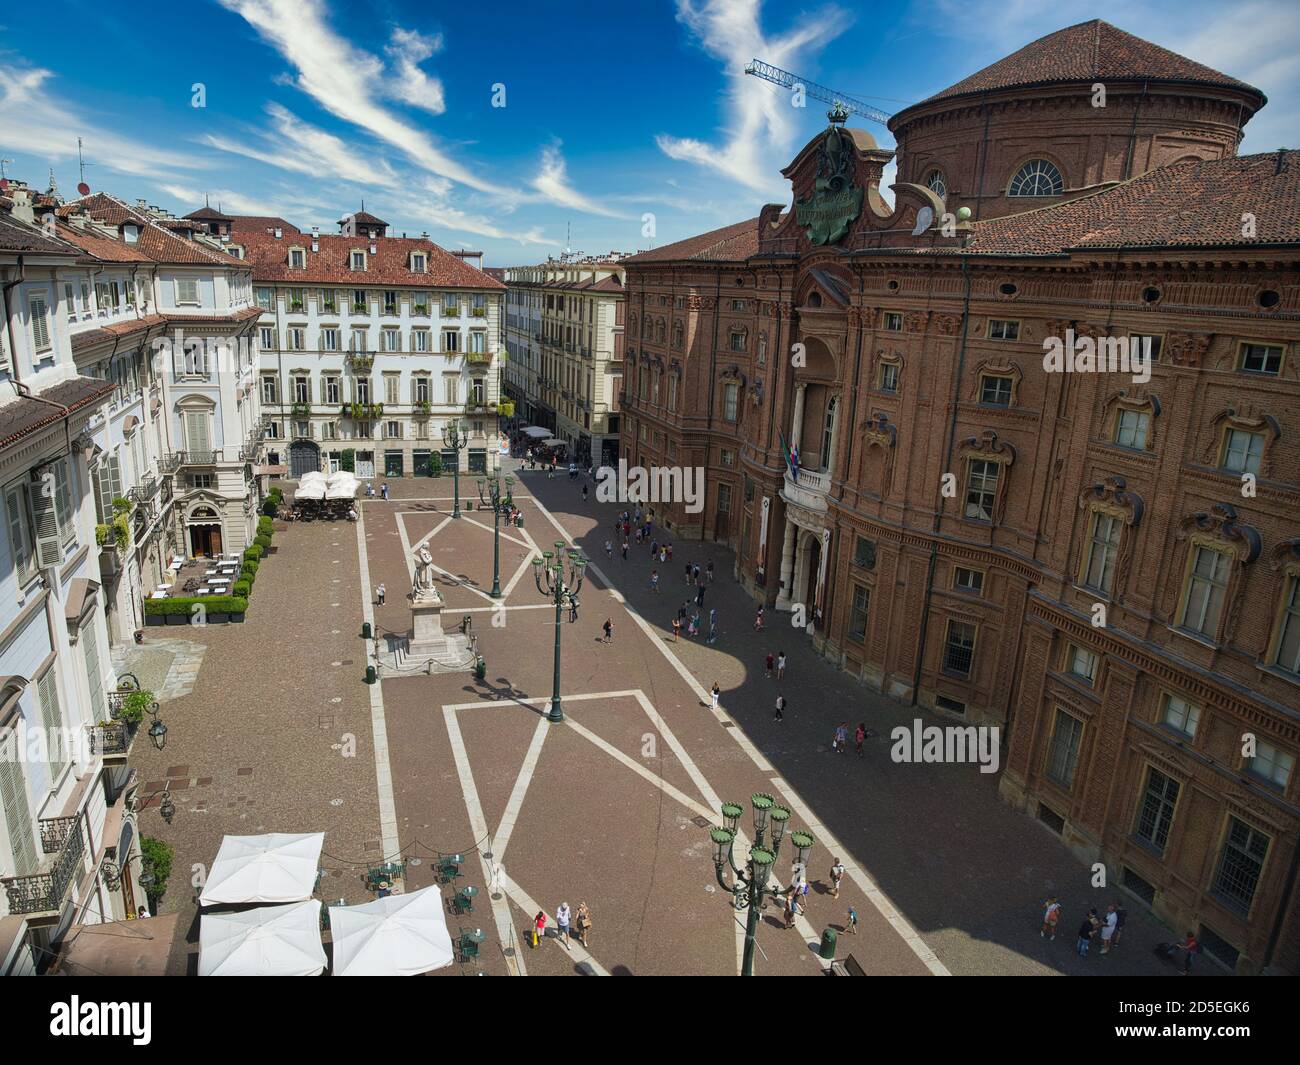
786	80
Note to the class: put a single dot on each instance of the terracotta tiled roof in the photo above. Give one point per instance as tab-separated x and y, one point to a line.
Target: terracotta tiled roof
1090	51
157	242
207	214
731	243
22	416
1190	204
364	218
259	223
17	237
101	248
389	265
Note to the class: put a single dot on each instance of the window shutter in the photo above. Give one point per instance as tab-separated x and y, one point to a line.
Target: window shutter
13	798
40	323
45	521
48	693
196	431
89	641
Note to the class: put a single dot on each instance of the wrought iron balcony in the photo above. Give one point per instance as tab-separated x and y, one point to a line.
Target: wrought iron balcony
478	358
194	458
44	892
112	741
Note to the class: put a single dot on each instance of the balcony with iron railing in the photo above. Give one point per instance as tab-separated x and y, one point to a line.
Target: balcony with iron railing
42	894
112	740
478	358
194	458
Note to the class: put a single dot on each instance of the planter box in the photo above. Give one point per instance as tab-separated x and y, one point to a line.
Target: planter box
177	619
218	618
238	619
155	619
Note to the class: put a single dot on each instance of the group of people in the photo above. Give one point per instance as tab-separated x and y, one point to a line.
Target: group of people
1109	929
840	741
794	900
567	924
688	620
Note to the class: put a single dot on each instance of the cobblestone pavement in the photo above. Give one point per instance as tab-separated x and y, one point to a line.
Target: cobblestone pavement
611	807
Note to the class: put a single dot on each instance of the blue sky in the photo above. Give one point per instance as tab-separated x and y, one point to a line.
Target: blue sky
612	110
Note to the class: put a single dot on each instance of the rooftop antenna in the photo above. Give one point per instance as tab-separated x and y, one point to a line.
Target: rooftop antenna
82	187
3	163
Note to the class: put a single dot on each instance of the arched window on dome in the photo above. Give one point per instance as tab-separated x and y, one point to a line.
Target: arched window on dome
1037	177
935	183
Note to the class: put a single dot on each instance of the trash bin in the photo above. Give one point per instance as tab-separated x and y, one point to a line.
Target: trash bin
365	630
827	951
519	521
480	668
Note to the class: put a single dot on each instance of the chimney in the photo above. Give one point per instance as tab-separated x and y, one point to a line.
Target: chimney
315	238
373	249
142	204
22	203
424	236
278	232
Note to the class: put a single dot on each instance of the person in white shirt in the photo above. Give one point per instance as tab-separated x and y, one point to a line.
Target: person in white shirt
1108	929
562	915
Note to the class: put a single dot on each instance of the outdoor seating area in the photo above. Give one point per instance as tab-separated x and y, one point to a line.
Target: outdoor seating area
200	576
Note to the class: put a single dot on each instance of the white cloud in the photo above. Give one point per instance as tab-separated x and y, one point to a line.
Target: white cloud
553	183
425	205
228	199
760	126
345	80
409	83
34	120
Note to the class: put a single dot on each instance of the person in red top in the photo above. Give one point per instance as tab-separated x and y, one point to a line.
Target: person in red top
539	927
1191	947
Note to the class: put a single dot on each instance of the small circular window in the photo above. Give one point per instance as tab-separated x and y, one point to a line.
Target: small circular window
1007	288
1151	294
892	286
1268	299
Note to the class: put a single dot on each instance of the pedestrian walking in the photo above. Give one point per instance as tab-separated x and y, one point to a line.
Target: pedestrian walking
539	928
677	628
709	571
853	921
625	549
688	573
1121	917
1191	947
758	619
609	549
713	624
780	666
584	493
654	580
654	550
841	743
769	664
837	874
1051	918
380	592
608	629
670	550
716	692
663	555
563	914
789	908
1108	928
693	628
860	737
1086	931
780	708
699	596
695	573
383	489
573	609
582	922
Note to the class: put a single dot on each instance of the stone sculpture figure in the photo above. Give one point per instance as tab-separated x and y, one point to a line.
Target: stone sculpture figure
422	589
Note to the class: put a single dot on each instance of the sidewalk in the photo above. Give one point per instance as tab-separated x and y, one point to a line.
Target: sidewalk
968	871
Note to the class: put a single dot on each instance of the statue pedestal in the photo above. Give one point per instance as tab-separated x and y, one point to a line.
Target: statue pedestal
428	649
427	637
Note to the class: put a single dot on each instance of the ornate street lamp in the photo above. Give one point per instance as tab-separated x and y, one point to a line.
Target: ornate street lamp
157	731
749	885
456	440
489	495
167	808
558	575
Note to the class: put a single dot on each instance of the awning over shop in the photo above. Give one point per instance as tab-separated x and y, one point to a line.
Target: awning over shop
119	948
536	432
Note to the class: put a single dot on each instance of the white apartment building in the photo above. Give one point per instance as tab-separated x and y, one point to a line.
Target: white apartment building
167	316
371	345
563	372
68	846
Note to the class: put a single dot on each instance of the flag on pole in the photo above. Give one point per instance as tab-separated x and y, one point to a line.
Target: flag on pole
791	456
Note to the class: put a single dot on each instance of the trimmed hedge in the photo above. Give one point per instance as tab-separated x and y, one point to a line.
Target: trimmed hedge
241	589
265	525
213	604
254	553
263	541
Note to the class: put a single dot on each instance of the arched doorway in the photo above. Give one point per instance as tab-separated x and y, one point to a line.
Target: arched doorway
304	457
205	532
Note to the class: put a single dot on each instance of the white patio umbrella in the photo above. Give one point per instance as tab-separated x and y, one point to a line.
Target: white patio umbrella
310	476
311	490
267	941
399	935
341	485
277	867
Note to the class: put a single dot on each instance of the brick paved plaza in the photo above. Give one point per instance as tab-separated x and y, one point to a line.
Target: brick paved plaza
282	734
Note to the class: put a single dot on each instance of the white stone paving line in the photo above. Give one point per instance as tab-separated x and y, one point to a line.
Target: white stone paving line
378	726
488	528
529	905
877	897
478	826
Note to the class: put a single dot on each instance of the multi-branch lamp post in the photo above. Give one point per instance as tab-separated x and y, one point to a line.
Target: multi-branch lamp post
455	439
559	575
490	494
749	885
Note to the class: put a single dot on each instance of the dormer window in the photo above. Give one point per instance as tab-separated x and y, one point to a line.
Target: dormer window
419	262
358	260
297	259
130	233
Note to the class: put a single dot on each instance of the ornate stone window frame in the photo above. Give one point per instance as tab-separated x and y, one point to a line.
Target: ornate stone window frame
1022	163
1139	401
1285	561
1111	497
987	448
879	431
887	358
997	368
1244	419
1216	530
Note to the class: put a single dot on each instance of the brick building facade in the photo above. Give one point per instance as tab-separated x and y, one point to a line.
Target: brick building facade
1104	565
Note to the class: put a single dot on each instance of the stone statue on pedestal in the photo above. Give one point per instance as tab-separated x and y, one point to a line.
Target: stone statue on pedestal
422	587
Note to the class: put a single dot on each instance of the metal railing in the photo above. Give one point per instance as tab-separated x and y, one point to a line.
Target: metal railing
112	739
194	458
45	892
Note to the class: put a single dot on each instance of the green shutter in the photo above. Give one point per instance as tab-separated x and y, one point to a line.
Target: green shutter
48	693
13	800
